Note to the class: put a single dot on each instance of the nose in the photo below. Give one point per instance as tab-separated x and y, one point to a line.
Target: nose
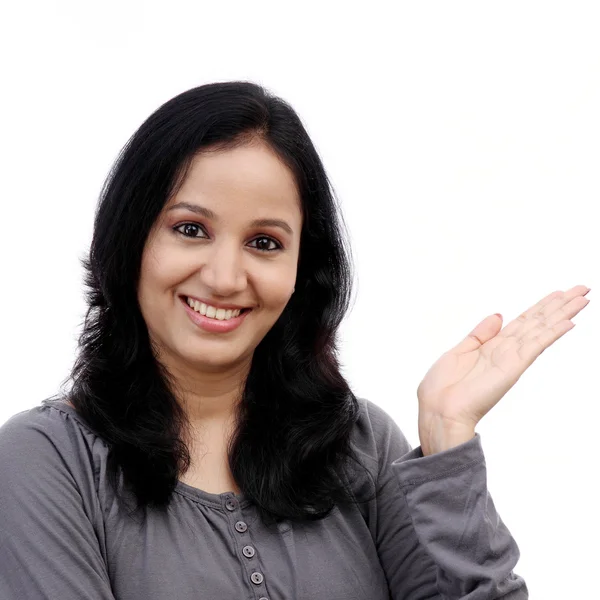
223	272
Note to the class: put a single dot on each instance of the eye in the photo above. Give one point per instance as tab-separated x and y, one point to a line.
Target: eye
189	230
271	240
187	227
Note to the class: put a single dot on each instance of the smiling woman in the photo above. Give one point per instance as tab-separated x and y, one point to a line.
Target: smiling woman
206	245
209	445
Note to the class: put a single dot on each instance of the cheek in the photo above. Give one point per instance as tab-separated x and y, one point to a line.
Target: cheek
276	289
161	270
277	281
278	300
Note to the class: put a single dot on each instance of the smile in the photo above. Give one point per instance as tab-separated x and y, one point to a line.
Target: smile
213	324
212	312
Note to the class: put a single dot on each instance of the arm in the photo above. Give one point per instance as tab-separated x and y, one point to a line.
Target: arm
48	543
438	533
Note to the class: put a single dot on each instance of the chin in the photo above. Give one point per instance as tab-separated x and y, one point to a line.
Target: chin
215	360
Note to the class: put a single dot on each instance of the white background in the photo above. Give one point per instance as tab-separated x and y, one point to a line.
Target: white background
463	140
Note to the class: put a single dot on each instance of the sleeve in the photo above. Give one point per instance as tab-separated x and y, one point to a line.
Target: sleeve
48	543
438	534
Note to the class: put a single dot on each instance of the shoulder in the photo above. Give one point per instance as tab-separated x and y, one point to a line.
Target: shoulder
377	438
45	441
53	421
52	532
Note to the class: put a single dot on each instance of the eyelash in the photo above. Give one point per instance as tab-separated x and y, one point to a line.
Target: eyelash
177	227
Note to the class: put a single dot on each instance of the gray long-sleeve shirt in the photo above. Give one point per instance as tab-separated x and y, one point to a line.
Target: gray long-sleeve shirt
433	533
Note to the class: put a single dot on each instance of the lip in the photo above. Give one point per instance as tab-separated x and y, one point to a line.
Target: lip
213	325
215	304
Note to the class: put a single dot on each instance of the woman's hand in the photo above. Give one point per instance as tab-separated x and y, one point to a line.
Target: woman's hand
470	379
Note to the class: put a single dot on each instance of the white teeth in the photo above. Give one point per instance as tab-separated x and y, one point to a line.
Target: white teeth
212	312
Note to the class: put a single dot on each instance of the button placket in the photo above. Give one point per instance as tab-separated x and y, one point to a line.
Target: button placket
256	577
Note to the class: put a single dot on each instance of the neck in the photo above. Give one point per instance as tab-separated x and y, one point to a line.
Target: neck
209	396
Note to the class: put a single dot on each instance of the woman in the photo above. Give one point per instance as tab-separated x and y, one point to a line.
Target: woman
209	446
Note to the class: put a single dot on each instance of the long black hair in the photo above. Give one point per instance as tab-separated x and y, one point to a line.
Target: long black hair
297	411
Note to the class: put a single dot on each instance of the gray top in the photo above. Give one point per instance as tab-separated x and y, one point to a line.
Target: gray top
434	532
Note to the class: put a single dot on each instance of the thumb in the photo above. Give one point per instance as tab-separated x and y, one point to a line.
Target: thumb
486	330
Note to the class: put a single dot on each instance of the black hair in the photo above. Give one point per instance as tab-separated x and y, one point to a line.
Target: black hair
296	411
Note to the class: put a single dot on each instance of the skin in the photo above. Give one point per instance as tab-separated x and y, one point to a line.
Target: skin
471	378
219	259
225	260
249	182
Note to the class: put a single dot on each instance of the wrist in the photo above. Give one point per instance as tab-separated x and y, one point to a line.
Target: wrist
438	434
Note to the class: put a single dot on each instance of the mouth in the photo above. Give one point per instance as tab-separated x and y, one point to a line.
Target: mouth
202	309
219	323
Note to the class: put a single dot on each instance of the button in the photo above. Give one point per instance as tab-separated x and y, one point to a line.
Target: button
241	526
248	551
231	504
257	578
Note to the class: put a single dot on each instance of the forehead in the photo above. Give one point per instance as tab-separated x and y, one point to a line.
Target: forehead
248	178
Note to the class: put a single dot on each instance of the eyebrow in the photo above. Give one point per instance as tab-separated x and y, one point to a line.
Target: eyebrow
209	214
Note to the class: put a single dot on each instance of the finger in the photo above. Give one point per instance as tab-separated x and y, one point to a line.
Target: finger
541	310
557	306
563	313
482	333
533	347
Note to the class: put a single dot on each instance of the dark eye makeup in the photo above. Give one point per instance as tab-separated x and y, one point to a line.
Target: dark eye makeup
198	227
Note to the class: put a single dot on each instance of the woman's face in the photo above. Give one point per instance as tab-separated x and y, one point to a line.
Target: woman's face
206	245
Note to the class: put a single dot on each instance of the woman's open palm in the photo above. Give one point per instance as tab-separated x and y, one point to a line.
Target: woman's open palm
471	378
